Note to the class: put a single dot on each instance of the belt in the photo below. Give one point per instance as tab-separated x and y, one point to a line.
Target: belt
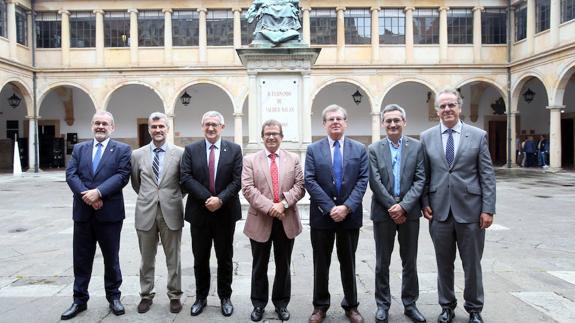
397	199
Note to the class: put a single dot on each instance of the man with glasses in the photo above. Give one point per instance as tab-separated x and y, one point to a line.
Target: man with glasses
458	201
272	183
396	177
210	173
336	176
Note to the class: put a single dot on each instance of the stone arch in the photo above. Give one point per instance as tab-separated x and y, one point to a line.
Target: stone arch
342	80
405	80
24	91
500	88
52	86
204	81
558	91
132	82
520	82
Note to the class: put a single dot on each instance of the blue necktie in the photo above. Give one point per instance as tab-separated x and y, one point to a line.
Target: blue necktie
449	148
156	163
97	157
337	166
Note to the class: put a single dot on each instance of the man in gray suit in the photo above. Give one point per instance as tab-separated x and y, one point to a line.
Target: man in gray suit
159	210
458	201
396	177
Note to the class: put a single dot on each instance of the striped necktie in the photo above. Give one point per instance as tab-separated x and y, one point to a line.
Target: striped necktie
156	163
449	148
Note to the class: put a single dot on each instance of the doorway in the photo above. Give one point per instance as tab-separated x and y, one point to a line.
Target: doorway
144	137
497	136
567	143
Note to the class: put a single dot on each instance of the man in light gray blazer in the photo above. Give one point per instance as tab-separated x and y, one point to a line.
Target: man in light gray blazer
159	210
458	201
396	177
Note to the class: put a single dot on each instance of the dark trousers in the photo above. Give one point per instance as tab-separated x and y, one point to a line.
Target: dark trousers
222	234
407	235
322	244
86	236
469	238
283	247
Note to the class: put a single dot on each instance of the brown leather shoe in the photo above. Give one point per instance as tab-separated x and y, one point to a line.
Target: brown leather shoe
144	305
317	316
175	306
354	316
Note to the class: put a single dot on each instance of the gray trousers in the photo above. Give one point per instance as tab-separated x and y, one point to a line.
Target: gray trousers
469	238
148	243
407	235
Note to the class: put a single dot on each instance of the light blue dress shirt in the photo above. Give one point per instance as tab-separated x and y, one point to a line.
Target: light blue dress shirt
396	165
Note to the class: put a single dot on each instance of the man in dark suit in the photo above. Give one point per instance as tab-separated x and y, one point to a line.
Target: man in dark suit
458	201
211	172
396	177
96	174
336	176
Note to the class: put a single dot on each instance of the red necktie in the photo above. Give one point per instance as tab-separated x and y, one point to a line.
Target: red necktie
212	169
275	178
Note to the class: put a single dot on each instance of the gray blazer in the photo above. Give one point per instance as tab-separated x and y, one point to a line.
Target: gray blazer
468	186
167	191
381	178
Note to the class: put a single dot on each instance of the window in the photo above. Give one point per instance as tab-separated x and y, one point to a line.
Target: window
542	15
392	26
323	27
247	29
185	28
426	26
220	27
82	29
521	22
3	9
494	26
150	28
460	26
117	29
21	26
48	30
357	23
567	10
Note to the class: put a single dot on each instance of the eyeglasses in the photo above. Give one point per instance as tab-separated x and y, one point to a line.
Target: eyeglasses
335	119
212	125
390	121
101	123
271	134
450	105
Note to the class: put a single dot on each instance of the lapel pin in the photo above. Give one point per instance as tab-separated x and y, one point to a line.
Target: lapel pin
111	149
225	149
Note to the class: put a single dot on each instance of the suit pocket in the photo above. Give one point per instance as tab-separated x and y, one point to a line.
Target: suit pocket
473	189
432	189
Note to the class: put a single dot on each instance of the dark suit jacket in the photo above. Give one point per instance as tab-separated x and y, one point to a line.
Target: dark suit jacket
111	176
194	178
320	184
381	178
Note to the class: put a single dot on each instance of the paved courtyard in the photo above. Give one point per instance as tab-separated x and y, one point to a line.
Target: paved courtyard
528	264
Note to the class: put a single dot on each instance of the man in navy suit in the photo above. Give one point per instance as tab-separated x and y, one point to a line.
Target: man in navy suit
211	171
96	174
336	176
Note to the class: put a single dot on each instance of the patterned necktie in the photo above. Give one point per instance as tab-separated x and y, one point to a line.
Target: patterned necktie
337	166
97	157
156	163
212	169
275	178
449	148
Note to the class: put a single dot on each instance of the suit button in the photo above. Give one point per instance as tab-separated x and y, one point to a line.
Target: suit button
334	198
450	171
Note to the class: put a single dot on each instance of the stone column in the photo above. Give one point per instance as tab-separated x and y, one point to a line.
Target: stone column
443	34
555	135
477	34
171	130
99	37
409	34
202	37
374	34
32	126
513	129
133	36
307	105
237	32
375	127
11	27
340	33
530	26
306	25
167	36
252	108
238	128
65	35
555	20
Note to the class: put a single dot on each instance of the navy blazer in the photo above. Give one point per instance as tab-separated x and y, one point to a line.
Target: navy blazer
195	180
111	176
320	184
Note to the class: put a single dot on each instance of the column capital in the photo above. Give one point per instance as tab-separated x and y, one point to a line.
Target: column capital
406	9
133	10
237	9
444	8
307	7
169	10
555	107
238	114
63	12
480	8
200	10
11	1
372	9
340	8
98	11
374	114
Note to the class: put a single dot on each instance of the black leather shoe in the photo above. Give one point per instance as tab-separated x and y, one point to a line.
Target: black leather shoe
257	314
283	313
475	317
198	306
446	315
227	307
117	307
414	314
381	315
73	310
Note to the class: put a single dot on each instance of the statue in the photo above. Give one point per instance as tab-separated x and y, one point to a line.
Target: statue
277	21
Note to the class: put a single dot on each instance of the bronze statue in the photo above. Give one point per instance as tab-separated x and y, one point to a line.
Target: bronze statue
277	21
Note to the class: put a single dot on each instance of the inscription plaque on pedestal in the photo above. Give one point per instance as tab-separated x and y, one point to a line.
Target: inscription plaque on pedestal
280	100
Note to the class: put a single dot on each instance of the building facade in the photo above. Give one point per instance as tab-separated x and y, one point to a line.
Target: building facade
513	63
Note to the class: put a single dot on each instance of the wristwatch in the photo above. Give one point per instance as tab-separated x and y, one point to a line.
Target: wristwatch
285	203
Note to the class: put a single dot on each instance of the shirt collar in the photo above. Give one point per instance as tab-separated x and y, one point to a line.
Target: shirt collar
456	128
331	141
268	153
164	147
104	143
393	145
217	143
